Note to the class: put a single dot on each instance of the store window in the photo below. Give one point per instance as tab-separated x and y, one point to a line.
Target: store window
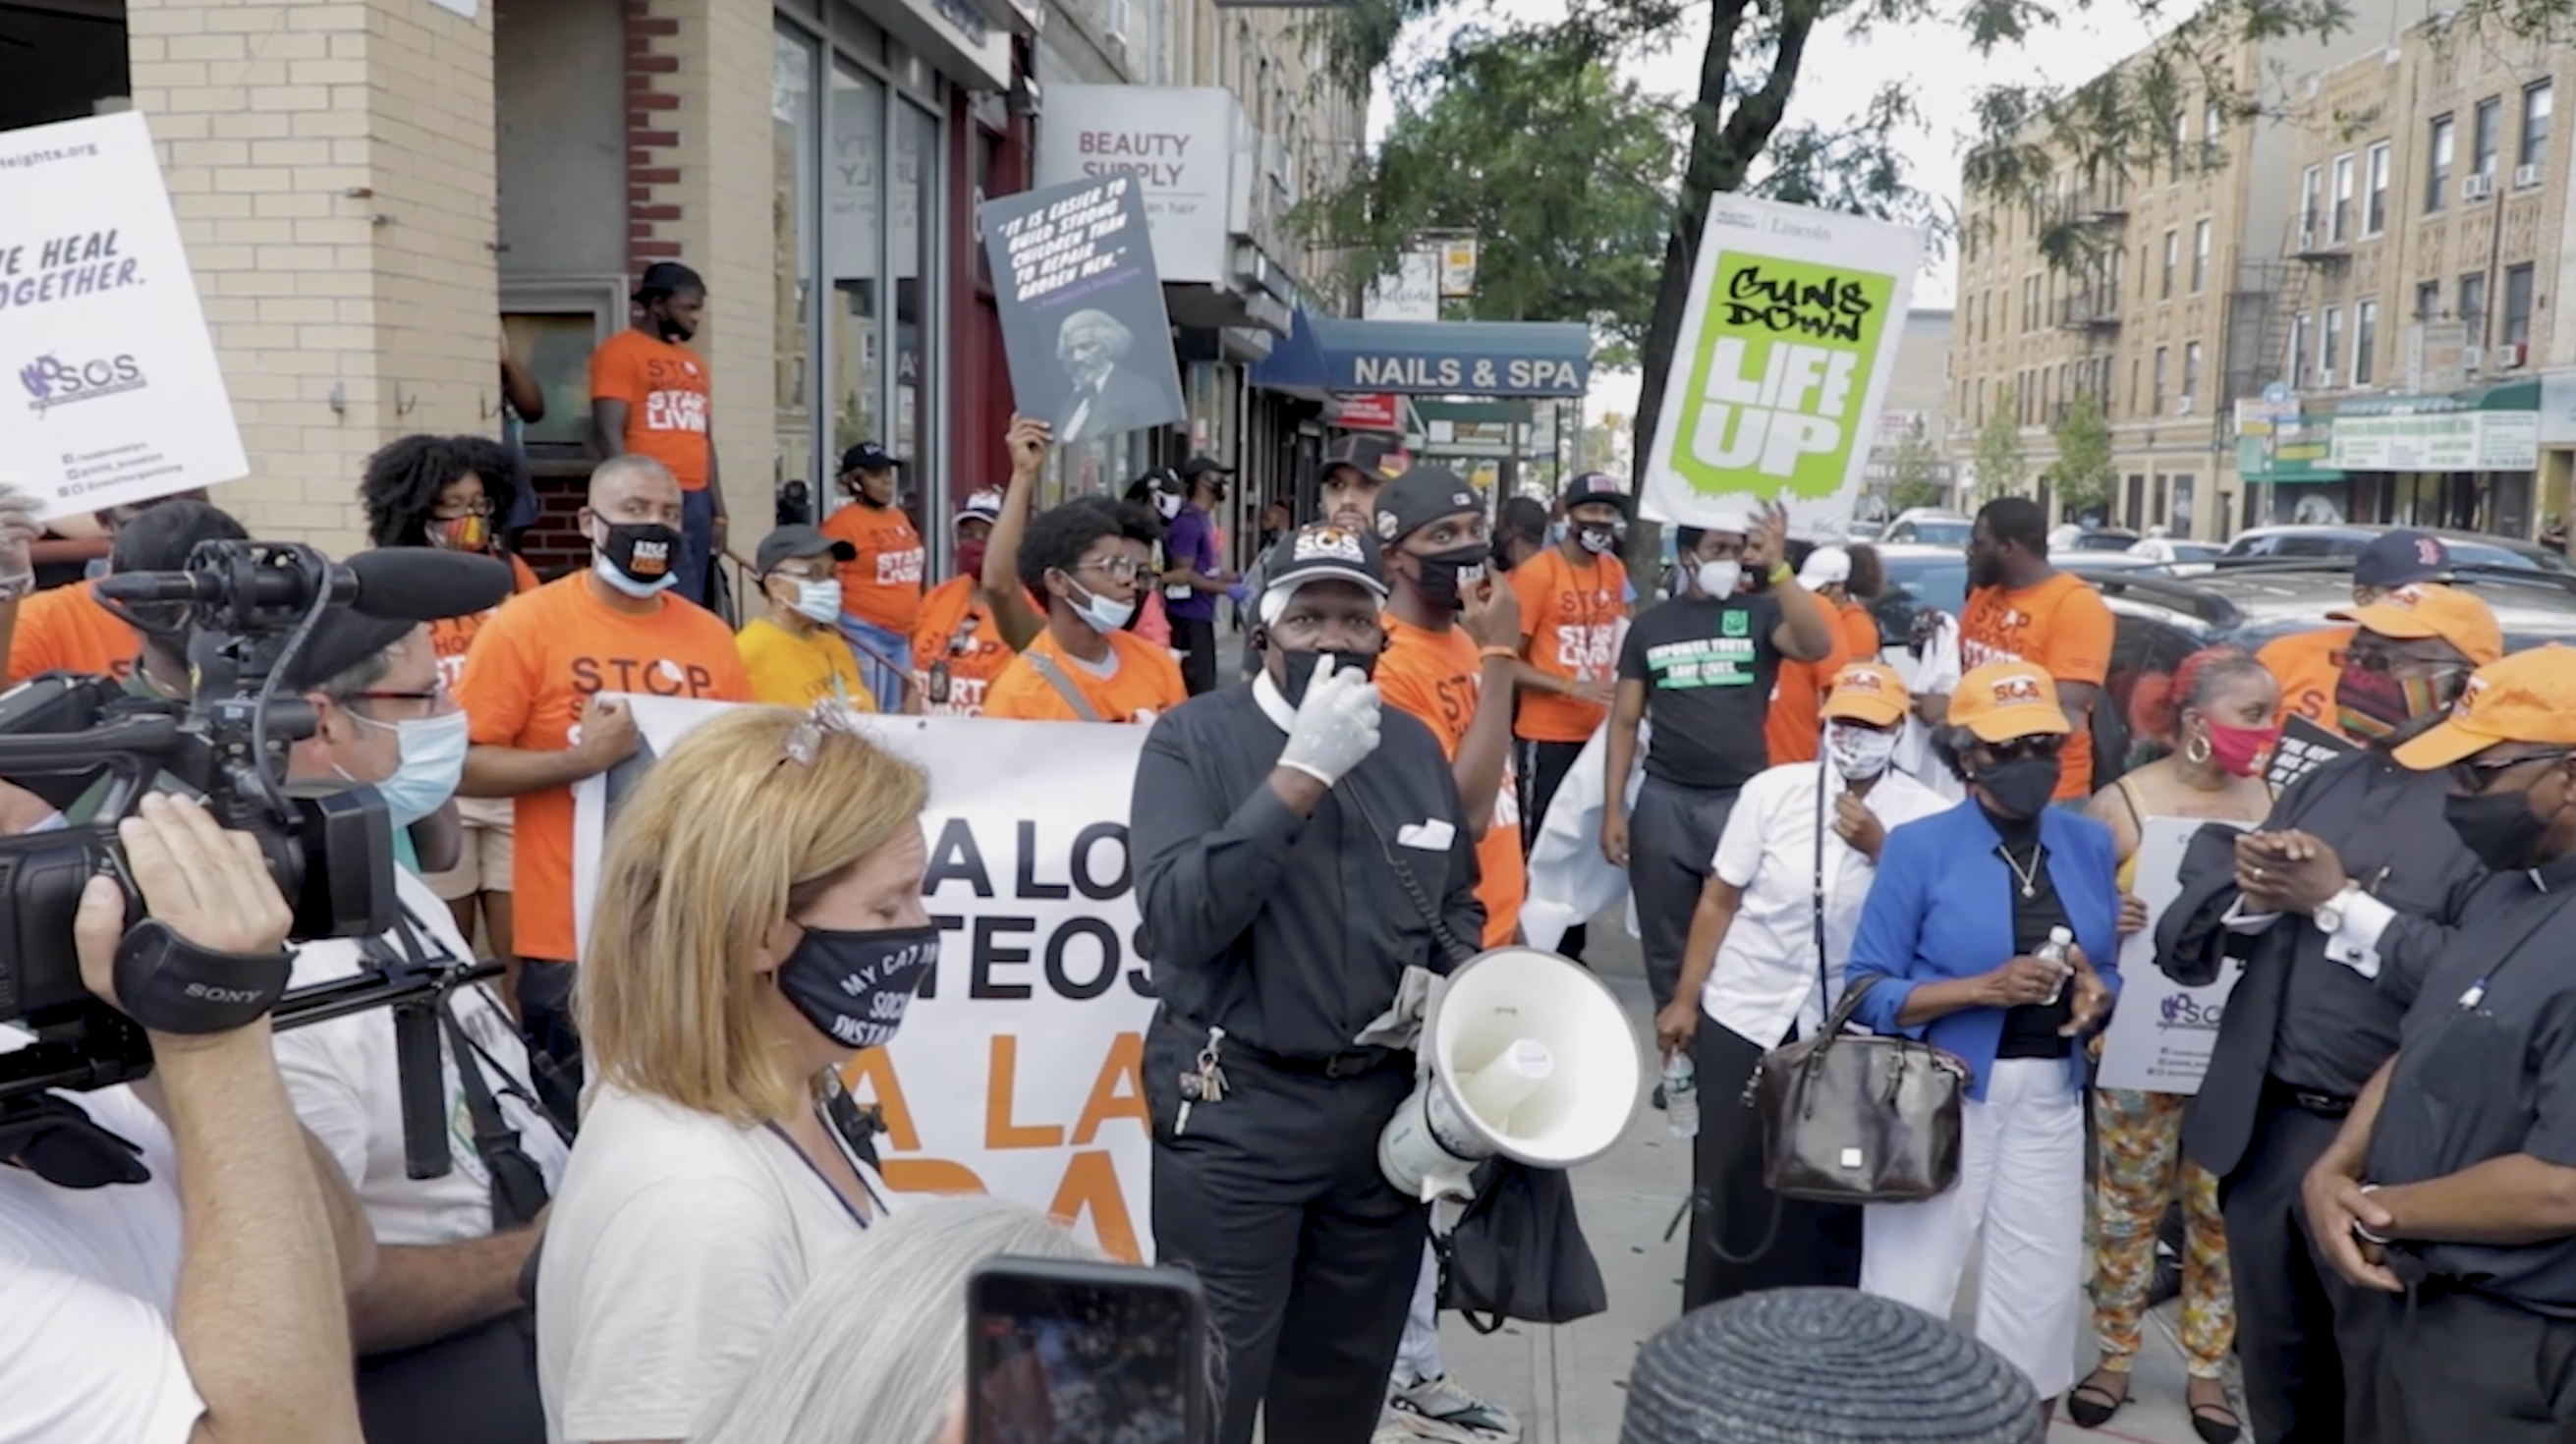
918	301
854	222
796	131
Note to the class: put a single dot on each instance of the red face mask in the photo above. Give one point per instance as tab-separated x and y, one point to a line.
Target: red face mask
970	557
2239	751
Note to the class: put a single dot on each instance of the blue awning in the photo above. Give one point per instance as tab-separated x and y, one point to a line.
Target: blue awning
1430	358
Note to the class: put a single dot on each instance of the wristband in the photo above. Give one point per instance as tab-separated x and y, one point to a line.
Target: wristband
1780	573
1497	654
170	985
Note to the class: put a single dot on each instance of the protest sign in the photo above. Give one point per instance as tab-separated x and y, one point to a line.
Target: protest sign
118	395
1083	325
2304	747
1017	1072
2161	1033
1786	351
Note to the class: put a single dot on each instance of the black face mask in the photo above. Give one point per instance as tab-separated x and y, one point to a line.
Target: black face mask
854	987
671	330
1443	573
2499	827
2020	788
642	552
1986	570
1598	538
1302	665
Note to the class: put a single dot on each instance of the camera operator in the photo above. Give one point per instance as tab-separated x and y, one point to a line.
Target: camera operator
159	540
447	1346
129	1312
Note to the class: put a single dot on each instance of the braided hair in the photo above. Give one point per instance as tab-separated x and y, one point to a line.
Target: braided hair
403	481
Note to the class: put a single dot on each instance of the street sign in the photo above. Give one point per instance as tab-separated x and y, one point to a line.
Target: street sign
1458	268
1373	411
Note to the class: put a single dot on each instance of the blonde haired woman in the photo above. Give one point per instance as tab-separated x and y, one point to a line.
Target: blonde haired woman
758	923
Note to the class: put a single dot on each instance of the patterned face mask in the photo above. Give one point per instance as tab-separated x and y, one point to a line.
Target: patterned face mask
2371	705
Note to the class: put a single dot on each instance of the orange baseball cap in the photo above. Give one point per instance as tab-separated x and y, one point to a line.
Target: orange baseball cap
2004	700
2527	697
2431	610
1868	692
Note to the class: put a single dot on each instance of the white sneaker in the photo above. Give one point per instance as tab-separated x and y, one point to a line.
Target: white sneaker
1439	1410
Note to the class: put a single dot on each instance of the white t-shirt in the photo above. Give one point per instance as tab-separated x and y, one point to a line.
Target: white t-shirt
87	1280
676	1246
347	1089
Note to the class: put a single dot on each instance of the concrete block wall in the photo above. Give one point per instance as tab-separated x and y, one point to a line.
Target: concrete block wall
331	165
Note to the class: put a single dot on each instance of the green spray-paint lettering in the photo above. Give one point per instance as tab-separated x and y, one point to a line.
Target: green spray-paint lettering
1779	374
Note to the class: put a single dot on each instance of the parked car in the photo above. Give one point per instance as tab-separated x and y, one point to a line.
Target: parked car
2101	539
2467	548
1928	526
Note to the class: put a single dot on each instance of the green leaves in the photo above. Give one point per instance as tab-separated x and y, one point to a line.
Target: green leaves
2002	468
2084	473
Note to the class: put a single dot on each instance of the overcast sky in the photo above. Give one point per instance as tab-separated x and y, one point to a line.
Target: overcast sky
1838	79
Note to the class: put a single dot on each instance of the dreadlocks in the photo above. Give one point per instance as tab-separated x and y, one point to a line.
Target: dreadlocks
404	479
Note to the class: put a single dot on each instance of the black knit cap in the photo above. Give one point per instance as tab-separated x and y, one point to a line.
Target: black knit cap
1824	1366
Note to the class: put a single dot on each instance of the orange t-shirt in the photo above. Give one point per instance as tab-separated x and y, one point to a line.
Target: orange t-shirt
959	630
665	390
64	629
1859	628
450	636
2303	663
530	668
1790	728
1569	627
882	584
2060	626
1438	678
1146	684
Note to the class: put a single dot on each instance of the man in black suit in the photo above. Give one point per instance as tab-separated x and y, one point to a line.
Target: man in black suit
1107	398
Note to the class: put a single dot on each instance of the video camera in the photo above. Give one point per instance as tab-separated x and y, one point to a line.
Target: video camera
92	750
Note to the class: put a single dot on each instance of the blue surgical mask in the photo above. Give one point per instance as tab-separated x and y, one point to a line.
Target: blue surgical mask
607	571
819	601
1104	615
432	752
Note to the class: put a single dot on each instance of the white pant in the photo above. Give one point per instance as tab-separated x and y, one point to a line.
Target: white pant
1418	1357
2021	1184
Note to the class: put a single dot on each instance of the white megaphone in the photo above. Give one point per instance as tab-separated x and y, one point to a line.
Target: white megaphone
1529	1056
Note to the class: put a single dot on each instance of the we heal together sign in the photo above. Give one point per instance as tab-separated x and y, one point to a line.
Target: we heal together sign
1787	349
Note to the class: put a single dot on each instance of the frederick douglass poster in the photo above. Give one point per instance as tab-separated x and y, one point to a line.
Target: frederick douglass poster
1785	357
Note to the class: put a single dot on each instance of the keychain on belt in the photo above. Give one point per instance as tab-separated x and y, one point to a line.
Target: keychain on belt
1204	1083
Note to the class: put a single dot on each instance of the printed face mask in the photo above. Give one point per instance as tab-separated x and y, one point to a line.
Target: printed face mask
1718	580
855	987
1302	667
636	558
1858	753
1444	573
1598	538
432	752
2239	751
2372	705
460	534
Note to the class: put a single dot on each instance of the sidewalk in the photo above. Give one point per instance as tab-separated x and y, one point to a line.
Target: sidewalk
1569	1384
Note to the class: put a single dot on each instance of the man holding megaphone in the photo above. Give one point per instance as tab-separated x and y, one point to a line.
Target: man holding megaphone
1304	868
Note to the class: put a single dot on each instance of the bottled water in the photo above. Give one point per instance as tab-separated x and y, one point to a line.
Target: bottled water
1681	1097
2054	950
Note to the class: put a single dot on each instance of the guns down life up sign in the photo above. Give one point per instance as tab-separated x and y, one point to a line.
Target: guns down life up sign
1787	350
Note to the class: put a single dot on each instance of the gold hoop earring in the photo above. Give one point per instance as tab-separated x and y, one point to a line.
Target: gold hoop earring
2196	751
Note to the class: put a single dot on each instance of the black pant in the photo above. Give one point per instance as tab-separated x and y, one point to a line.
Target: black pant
546	1022
1308	1256
2310	1342
1817	1244
1195	640
480	1384
1540	768
2461	1366
1672	843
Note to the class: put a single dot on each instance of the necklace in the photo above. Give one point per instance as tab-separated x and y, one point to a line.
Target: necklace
2028	876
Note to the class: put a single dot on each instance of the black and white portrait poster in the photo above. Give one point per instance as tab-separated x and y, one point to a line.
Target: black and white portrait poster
1083	324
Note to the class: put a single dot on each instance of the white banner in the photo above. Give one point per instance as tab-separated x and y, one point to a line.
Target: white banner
1784	360
1018	1070
118	396
2161	1034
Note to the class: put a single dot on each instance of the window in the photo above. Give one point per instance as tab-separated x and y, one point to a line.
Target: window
2030	304
2485	133
2190	370
2173	255
2473	305
2428	300
2199	256
2374	211
2536	102
2517	305
2365	342
2437	166
2143	269
2312	202
2299	326
2161	357
2343	178
2330	353
2133	385
2181	119
2210	122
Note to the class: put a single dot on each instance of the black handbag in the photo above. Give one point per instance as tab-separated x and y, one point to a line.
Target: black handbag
1518	1252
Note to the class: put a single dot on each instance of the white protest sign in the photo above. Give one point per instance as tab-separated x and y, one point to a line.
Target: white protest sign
2161	1034
118	397
1786	352
1018	1072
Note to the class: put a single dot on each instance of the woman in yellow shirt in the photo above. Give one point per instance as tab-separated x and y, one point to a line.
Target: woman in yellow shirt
796	656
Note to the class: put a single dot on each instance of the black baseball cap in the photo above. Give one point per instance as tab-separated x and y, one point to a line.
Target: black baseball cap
790	543
867	456
1420	497
668	278
342	638
1362	452
1323	552
1198	466
2401	559
1597	486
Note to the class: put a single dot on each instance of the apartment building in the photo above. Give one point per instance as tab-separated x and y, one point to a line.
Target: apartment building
2164	317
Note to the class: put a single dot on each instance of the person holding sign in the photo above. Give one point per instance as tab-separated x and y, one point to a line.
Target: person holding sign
2307	663
2338	904
2021	609
2442	1200
1090	559
2215	713
1303	863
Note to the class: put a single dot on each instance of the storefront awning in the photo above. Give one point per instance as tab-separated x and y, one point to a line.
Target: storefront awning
2483	428
1430	358
2522	395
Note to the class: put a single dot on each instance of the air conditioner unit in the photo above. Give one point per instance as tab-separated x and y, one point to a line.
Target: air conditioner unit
2325	378
2525	177
2477	187
2511	355
2471	358
2307	239
2182	406
1117	34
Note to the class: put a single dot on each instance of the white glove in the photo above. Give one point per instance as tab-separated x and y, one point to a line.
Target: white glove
18	532
1336	726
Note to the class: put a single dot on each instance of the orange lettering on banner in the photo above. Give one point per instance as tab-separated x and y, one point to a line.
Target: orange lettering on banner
1124	1065
999	1130
930	1175
1091	1183
871	1076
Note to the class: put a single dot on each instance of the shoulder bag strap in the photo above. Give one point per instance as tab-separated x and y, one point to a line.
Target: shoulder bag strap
518	1185
1045	666
1824	989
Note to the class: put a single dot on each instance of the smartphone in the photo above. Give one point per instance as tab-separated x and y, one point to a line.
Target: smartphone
1066	1352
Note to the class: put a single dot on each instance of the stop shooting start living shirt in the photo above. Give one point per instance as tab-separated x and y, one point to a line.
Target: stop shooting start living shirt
1569	626
1438	678
664	387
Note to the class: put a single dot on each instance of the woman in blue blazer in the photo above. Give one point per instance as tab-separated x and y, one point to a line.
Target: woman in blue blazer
1962	903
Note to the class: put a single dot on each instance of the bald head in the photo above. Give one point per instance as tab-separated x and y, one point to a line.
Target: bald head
634	489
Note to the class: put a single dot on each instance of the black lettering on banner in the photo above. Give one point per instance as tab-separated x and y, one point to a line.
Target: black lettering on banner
1088	882
989	954
956	858
1833	308
1140	978
947	923
1029	886
1062	980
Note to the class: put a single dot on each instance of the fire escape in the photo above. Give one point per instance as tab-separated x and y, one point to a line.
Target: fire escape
2092	309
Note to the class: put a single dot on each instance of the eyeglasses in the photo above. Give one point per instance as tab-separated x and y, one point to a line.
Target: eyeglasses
2473	777
2384	662
2044	745
434	701
448	512
1116	569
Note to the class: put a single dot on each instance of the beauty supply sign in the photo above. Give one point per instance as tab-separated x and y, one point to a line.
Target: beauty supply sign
1182	144
1786	352
112	393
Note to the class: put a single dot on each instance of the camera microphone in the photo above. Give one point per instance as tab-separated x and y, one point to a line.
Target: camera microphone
400	584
